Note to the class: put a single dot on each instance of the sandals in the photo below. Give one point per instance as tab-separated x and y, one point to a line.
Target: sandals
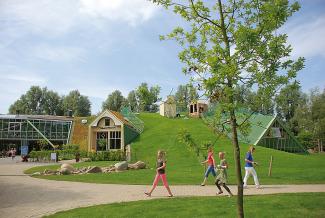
148	194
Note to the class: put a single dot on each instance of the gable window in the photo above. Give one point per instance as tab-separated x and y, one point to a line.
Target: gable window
107	122
115	140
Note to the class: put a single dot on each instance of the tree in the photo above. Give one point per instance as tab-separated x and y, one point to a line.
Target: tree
52	103
235	43
287	101
147	97
254	101
185	94
79	104
38	101
114	101
132	101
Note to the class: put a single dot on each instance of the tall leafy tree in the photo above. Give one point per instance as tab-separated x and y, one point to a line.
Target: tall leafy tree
114	101
52	103
132	100
38	100
232	43
185	94
79	104
147	97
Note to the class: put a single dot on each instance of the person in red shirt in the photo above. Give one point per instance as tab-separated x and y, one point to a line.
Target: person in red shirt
211	165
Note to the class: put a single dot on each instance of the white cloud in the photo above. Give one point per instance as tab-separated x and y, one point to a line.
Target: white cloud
131	11
307	37
53	18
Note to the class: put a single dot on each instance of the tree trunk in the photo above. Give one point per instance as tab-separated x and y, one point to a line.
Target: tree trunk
240	195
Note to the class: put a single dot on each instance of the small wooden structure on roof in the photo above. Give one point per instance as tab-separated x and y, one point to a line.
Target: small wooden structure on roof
168	107
197	108
110	131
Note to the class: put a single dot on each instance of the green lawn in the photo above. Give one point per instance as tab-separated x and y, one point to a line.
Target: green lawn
281	205
183	167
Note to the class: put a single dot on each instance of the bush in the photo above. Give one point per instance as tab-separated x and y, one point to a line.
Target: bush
71	147
44	155
306	139
107	156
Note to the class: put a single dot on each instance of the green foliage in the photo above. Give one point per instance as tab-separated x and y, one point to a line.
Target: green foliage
309	116
102	144
107	156
38	101
114	101
79	104
305	138
42	144
185	94
44	155
147	97
132	101
71	147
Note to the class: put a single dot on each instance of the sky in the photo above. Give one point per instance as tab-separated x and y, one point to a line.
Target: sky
98	46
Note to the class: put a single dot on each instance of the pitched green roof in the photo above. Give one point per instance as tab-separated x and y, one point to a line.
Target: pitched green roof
259	123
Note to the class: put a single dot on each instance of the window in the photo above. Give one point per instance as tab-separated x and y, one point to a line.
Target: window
101	141
14	126
107	122
115	140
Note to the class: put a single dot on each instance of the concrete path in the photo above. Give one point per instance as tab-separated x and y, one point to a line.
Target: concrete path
24	196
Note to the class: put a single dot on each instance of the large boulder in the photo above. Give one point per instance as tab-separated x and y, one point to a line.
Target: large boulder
121	166
66	169
94	169
137	165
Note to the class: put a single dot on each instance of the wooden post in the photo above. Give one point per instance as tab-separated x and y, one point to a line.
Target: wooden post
270	167
321	146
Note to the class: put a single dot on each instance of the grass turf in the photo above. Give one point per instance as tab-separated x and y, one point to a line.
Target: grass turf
281	205
183	166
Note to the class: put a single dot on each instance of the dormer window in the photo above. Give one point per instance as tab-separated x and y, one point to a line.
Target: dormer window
107	122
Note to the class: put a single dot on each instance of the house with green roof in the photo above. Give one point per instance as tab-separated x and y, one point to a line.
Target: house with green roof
263	130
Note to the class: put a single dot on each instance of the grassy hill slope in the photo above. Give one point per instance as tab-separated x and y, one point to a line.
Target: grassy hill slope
183	166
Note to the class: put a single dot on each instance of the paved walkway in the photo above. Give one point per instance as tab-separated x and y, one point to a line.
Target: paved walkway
24	196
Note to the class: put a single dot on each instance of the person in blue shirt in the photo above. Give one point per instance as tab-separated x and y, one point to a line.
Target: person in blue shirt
249	167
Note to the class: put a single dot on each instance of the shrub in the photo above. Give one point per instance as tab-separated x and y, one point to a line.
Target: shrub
71	147
107	156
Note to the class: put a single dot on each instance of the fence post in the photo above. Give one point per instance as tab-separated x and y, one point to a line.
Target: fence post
270	167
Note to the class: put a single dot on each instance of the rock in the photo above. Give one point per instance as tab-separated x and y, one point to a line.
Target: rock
94	169
67	166
121	166
137	165
36	174
65	171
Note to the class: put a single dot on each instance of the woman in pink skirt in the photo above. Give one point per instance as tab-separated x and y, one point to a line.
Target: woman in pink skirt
161	166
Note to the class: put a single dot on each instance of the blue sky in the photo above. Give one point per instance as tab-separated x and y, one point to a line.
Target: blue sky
98	46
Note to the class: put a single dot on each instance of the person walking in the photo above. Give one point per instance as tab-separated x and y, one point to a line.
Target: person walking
222	177
13	153
160	174
211	163
249	167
